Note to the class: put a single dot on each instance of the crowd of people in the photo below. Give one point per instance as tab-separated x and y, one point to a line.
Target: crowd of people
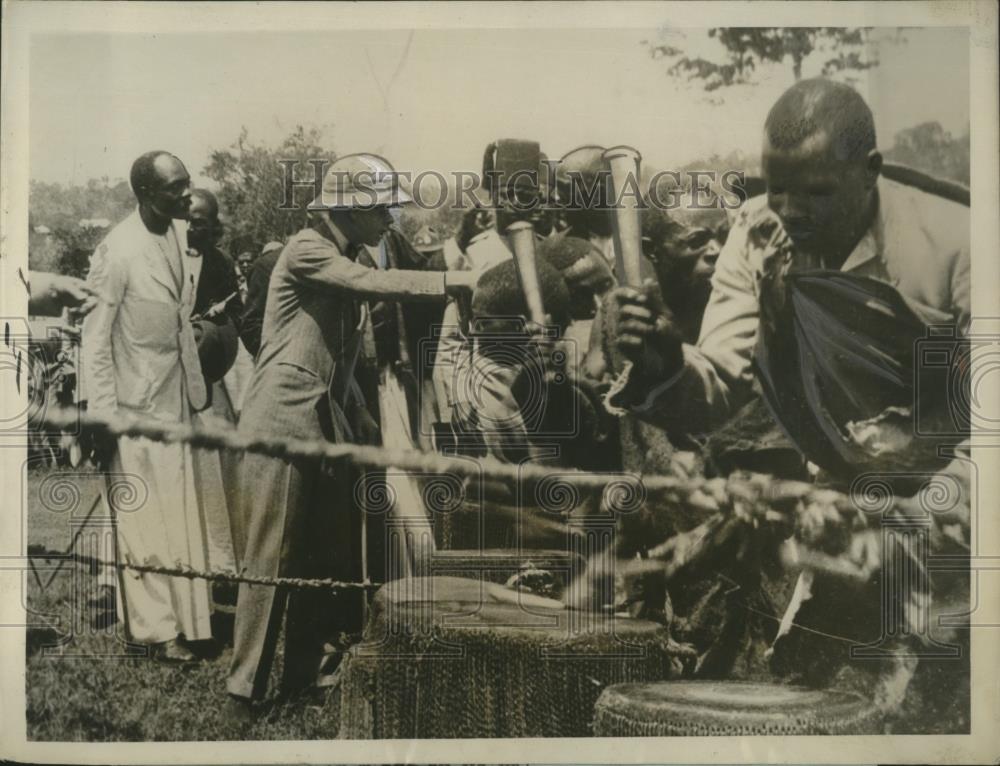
798	308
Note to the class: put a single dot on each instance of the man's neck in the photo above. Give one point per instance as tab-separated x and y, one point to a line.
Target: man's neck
838	255
153	221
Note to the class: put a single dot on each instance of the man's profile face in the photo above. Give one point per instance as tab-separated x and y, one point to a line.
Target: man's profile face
172	196
821	200
370	225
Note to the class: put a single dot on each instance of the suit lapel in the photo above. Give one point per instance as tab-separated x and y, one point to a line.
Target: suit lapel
156	261
190	265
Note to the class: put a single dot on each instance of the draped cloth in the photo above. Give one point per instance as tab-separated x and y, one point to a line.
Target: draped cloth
833	349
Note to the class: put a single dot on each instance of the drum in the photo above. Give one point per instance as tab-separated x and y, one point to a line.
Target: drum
730	708
499	565
445	657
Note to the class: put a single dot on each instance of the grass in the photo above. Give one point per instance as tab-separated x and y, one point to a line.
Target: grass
80	686
84	689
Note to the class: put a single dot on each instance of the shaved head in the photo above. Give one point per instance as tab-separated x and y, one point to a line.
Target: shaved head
818	106
203	199
499	293
821	167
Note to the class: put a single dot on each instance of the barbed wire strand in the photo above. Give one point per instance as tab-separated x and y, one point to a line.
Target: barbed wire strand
295	582
190	573
739	492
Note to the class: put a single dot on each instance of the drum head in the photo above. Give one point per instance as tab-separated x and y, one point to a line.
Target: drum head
454	593
446	605
733	708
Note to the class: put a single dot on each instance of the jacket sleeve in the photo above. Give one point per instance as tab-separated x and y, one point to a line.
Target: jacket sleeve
107	276
717	375
321	266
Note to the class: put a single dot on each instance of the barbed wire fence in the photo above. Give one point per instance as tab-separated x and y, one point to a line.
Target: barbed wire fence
749	495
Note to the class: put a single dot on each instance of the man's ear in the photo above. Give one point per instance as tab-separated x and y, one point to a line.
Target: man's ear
322	222
873	166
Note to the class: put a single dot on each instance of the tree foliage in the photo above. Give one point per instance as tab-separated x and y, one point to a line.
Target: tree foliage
252	186
929	147
77	218
746	48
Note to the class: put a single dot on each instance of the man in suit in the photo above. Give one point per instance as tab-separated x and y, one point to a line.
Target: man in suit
139	355
300	517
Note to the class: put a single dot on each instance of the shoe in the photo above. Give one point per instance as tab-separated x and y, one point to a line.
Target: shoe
104	601
103	610
173	652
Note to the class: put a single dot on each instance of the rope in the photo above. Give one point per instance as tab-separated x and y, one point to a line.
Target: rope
698	491
191	573
751	496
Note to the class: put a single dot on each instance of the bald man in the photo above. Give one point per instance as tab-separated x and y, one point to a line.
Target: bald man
139	356
888	258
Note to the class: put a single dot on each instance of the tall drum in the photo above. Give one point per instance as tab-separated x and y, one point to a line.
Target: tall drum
445	657
730	708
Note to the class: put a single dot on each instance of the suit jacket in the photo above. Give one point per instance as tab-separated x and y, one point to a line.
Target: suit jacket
404	332
312	332
138	349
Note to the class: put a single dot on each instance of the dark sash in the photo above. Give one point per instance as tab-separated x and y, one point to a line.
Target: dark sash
833	348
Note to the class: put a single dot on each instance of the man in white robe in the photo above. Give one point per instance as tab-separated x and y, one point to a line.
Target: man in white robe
139	356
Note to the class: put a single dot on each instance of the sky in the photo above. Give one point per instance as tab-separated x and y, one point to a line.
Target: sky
430	99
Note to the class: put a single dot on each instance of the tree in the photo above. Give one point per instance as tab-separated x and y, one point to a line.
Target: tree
72	221
932	149
57	206
744	49
252	179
